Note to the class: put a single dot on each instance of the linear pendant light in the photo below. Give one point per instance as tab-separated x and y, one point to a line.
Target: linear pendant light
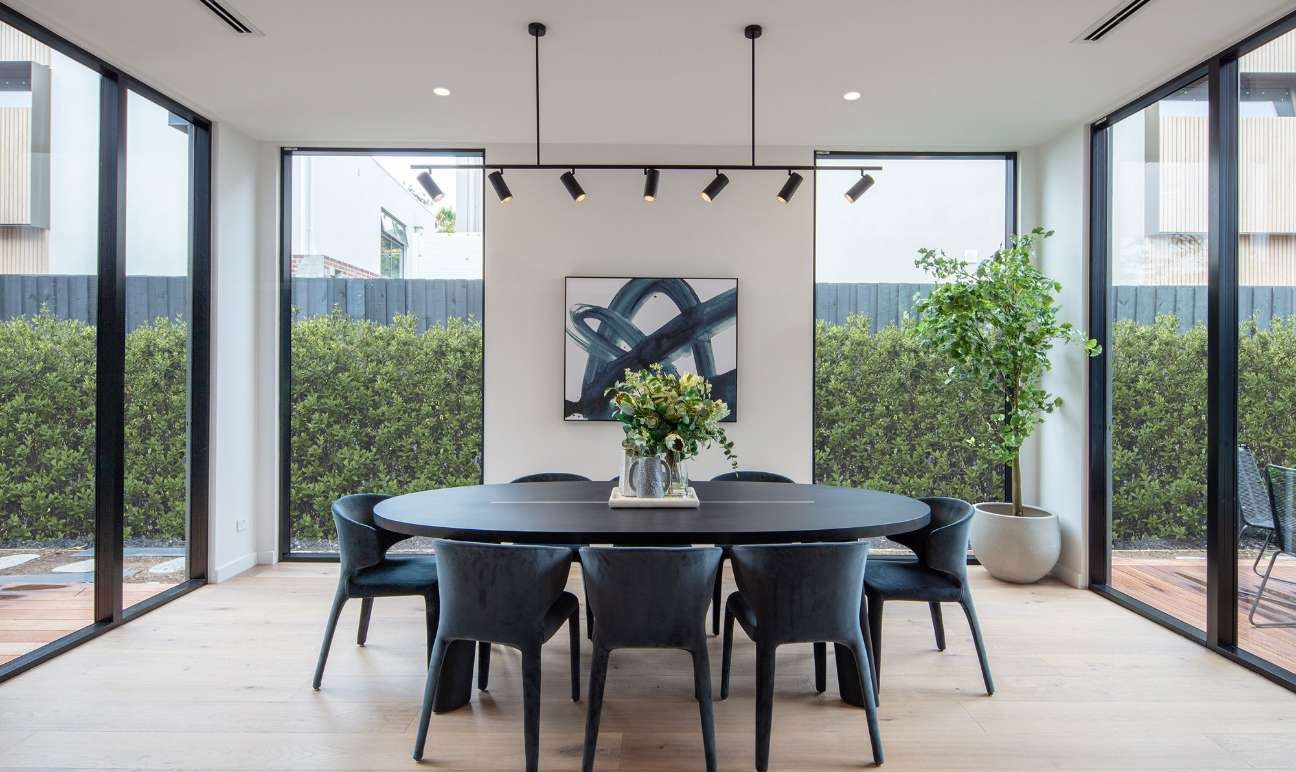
652	172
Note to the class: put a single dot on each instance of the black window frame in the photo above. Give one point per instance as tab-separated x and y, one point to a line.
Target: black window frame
1221	72
1011	225
283	519
110	345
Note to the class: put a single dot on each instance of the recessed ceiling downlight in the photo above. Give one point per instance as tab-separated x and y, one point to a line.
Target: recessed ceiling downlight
851	96
441	91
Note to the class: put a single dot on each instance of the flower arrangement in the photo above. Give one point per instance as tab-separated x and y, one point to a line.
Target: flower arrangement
671	415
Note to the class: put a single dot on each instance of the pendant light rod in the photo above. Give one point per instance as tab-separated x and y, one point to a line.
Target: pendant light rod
640	167
753	31
537	31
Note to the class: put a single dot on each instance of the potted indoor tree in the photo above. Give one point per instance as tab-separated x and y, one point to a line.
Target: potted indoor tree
996	322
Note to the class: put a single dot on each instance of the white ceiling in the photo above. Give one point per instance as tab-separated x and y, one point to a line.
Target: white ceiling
933	73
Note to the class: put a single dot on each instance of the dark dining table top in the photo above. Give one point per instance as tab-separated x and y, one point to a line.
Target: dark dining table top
578	513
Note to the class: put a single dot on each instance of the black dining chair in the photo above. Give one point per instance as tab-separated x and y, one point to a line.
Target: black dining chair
625	586
717	593
938	575
543	477
508	594
1282	491
1253	502
551	477
368	572
798	593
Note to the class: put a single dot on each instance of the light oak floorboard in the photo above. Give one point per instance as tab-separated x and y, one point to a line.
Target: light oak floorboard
220	679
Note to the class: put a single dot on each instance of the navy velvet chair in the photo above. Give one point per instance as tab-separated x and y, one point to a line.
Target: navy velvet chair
939	575
798	593
511	595
718	592
367	572
625	586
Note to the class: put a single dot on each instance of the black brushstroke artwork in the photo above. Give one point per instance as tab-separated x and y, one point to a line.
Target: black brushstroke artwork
617	344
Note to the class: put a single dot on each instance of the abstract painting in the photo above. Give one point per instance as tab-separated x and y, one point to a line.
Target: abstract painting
615	324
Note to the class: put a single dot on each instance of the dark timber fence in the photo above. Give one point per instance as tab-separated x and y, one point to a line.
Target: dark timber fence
433	301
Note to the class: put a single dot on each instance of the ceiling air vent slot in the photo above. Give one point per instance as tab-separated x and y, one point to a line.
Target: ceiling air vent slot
1113	20
232	18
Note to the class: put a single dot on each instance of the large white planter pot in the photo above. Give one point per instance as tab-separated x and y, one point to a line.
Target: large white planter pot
1016	549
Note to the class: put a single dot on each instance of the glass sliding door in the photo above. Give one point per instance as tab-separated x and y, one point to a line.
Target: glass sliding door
1157	243
159	146
103	375
1267	350
383	352
49	248
874	381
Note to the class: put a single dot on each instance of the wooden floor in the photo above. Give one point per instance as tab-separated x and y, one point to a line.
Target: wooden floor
1177	586
220	679
32	615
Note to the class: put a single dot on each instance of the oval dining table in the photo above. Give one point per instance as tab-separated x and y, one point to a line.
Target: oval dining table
578	513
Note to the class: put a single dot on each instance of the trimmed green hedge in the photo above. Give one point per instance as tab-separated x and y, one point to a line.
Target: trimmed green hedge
383	407
885	419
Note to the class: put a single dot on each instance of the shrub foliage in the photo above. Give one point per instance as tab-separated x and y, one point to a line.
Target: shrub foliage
385	408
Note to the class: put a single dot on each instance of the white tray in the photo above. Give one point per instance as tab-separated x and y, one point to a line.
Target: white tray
688	501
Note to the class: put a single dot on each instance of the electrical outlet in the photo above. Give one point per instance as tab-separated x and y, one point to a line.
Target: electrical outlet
240	525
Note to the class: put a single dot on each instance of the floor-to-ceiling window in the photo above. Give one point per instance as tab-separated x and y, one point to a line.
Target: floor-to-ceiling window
1193	409
1157	351
874	381
104	234
1267	348
383	347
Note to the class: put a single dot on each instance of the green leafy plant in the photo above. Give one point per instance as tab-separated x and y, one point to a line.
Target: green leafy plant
667	414
997	322
445	220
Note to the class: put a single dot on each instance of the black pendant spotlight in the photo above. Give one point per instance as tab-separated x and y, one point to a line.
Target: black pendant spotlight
430	186
789	188
574	188
859	188
501	187
652	174
713	189
650	184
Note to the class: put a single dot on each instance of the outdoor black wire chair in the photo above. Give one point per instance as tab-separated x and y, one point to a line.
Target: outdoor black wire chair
1282	497
1253	502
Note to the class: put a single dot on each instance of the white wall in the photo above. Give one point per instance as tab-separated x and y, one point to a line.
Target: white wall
74	167
234	334
1056	464
542	236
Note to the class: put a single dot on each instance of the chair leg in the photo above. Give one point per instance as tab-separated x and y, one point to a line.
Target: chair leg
594	710
1256	565
764	704
726	658
875	604
483	665
573	629
821	666
859	648
938	624
431	620
1255	604
716	600
589	621
366	609
531	706
970	611
706	711
429	694
339	600
866	630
